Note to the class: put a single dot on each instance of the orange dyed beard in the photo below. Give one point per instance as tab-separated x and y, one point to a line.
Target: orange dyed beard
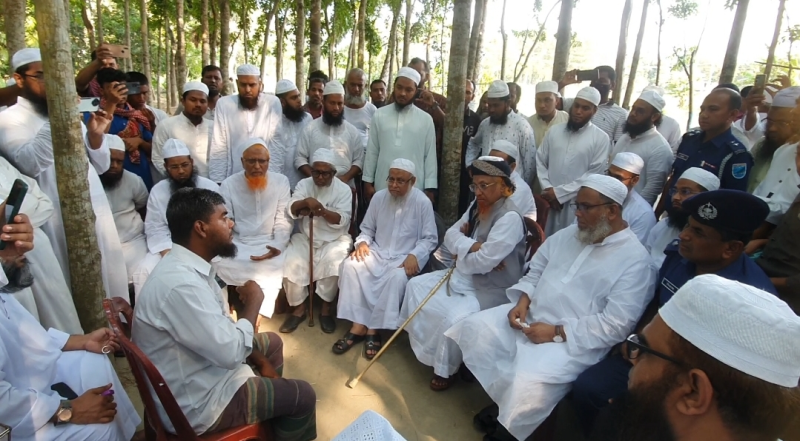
256	183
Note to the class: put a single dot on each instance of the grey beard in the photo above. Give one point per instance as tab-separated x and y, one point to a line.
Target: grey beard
355	100
596	233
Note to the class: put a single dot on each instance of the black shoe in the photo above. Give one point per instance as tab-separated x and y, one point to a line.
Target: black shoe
486	420
291	323
327	323
500	434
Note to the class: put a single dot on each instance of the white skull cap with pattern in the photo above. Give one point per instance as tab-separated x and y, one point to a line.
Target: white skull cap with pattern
657	89
547	86
410	73
589	94
498	89
25	56
174	148
248	70
703	178
786	98
247	143
369	426
743	327
195	85
284	86
115	143
405	165
629	161
323	155
654	99
506	147
334	87
607	186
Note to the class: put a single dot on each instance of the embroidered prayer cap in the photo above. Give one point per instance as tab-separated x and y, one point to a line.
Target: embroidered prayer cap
506	147
369	426
284	86
405	165
607	186
786	98
115	143
174	148
654	99
334	87
410	73
743	327
490	166
589	94
25	56
248	70
657	89
703	178
629	161
547	86
251	142
195	85
323	155
498	89
729	210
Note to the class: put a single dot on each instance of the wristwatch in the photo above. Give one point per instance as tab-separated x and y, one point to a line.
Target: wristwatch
560	337
64	414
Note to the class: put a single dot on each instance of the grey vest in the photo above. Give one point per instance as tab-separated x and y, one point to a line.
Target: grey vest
514	261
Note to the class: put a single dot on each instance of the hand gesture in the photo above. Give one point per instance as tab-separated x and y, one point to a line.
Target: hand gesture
540	333
518	312
570	77
410	265
271	252
784	81
103	52
250	294
119	93
426	98
315	207
266	370
101	341
500	266
132	144
754	99
99	123
93	407
464	228
18	235
360	253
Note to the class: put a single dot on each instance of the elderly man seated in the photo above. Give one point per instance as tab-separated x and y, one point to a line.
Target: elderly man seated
329	202
489	242
256	200
636	211
587	286
397	236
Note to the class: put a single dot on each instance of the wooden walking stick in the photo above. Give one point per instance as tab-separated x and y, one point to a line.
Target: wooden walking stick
352	383
311	270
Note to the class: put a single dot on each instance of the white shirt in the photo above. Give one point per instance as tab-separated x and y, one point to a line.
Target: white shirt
658	158
639	215
408	134
260	216
344	141
126	199
158	113
155	225
611	118
233	126
336	197
540	127
181	325
670	129
779	187
516	131
361	119
291	132
661	235
196	137
523	197
757	131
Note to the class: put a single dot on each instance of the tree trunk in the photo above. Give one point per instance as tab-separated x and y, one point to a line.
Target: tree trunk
267	22
168	59
330	25
775	37
362	34
473	38
244	31
99	27
476	73
214	38
145	43
563	41
388	64
519	70
127	19
732	54
407	31
636	53
173	74
71	166
315	48
454	120
225	42
14	17
204	37
300	46
505	42
658	49
351	53
279	37
160	38
87	23
622	48
180	50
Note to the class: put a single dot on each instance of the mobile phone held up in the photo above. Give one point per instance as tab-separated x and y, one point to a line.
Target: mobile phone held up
13	203
119	51
588	75
89	105
133	88
760	83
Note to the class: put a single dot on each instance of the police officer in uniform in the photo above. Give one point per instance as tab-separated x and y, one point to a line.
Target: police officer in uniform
721	224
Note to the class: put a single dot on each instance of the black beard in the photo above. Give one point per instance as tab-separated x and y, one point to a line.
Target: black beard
400	106
213	93
331	120
228	250
242	106
769	147
39	103
677	217
379	104
635	130
574	127
604	89
294	115
190	182
110	181
499	120
637	415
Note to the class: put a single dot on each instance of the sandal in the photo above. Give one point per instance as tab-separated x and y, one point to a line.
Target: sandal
341	346
440	383
372	343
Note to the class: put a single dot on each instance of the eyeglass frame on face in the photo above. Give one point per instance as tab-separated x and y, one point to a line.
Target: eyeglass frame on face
324	174
38	77
583	208
674	190
482	187
778	123
254	161
620	178
181	166
401	182
637	342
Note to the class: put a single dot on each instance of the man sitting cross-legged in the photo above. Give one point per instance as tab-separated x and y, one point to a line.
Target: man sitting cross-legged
397	236
256	199
329	201
181	325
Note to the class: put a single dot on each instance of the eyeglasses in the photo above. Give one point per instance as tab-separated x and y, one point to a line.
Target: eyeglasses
685	192
38	77
618	177
180	166
482	187
400	182
255	161
777	123
583	208
637	346
316	174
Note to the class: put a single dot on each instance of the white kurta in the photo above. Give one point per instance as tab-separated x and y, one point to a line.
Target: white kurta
657	240
291	132
517	131
407	134
196	137
126	200
670	129
426	331
563	159
371	291
344	141
779	187
757	131
234	125
639	215
26	141
261	221
31	361
658	159
361	120
598	298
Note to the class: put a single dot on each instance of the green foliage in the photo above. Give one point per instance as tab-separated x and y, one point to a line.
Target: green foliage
683	9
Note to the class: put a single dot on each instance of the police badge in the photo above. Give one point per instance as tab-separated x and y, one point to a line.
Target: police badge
707	211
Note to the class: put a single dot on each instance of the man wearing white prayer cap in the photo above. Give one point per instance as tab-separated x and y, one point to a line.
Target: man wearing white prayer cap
26	141
638	213
190	126
667	126
610	117
569	152
397	236
527	353
332	132
181	173
698	373
642	138
329	201
780	126
249	114
294	121
547	115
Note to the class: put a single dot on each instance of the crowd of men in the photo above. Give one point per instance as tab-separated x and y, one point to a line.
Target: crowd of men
666	280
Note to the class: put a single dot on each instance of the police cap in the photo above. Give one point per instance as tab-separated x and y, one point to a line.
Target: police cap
730	210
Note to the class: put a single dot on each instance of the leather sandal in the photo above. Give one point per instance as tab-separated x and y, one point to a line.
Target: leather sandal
341	346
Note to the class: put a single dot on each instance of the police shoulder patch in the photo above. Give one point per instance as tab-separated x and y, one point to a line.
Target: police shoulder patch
739	171
736	146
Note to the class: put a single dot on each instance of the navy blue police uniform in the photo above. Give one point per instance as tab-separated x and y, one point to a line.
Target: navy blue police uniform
724	156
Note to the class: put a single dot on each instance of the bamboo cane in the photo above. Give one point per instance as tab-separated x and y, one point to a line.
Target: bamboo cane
311	270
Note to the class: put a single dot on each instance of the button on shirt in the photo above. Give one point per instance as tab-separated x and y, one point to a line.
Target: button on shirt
723	156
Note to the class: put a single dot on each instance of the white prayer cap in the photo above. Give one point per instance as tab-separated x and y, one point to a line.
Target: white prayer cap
248	70
405	165
115	143
323	155
195	85
657	89
284	86
334	87
786	97
506	147
174	148
607	186
629	161
498	89
547	86
741	326
589	94
703	178
409	73
369	426
654	99
25	56
251	142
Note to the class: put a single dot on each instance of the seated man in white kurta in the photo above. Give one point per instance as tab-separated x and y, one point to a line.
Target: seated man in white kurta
636	211
329	201
397	236
587	286
181	173
489	242
32	360
256	200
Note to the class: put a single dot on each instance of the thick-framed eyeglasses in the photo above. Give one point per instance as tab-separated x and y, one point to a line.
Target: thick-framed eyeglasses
583	208
481	187
685	192
254	161
637	346
400	182
317	173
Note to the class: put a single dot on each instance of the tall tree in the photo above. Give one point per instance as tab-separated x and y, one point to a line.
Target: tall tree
563	40
214	39
407	31
168	60
636	53
267	22
127	18
180	50
145	42
477	19
658	49
519	68
774	44
362	33
685	57
204	36
280	21
505	42
243	24
87	23
160	44
300	46
70	163
99	26
14	21
315	48
388	64
330	29
622	48
225	42
732	54
476	72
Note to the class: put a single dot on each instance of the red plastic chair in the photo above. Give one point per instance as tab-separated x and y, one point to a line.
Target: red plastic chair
146	374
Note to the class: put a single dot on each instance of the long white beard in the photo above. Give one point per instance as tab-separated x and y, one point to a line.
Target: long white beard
596	233
355	100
